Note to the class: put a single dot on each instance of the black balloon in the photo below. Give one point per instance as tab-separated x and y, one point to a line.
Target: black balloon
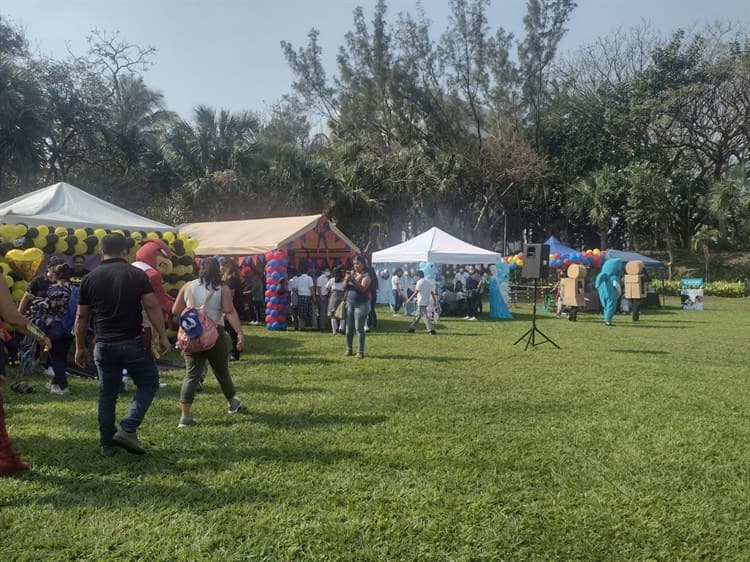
130	242
5	247
33	232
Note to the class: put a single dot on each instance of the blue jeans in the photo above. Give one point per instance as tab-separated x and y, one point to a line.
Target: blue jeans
110	359
356	315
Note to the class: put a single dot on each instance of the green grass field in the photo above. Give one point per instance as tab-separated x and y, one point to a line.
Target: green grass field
629	443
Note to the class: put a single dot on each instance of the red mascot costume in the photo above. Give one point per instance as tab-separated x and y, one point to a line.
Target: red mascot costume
153	258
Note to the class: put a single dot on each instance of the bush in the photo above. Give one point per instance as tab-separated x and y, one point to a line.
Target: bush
732	289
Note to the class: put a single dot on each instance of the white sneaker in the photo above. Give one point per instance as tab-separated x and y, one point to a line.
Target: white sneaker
467	317
49	371
55	389
472	318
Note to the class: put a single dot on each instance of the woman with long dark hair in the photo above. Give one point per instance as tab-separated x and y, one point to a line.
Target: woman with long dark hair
10	462
209	292
230	276
357	284
57	301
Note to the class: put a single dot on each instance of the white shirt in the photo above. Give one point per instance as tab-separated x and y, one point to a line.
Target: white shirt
304	285
396	283
323	285
462	276
334	285
424	290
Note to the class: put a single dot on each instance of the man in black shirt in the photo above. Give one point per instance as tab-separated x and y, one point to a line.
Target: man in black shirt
114	294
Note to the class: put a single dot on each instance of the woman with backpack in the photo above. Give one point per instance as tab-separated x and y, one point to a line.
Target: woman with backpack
214	299
58	325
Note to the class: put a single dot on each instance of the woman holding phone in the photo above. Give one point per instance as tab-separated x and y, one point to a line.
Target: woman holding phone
357	285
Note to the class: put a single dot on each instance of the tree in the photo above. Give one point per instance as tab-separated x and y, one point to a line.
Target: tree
544	24
702	240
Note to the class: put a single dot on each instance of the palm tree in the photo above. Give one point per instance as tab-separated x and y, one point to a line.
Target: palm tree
594	198
213	155
703	240
729	199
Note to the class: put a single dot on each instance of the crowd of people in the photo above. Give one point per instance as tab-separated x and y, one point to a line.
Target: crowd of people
114	301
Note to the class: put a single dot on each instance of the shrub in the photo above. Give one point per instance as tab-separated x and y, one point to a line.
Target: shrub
732	289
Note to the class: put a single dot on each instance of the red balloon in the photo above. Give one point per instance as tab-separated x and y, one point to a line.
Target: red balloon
269	319
281	318
270	294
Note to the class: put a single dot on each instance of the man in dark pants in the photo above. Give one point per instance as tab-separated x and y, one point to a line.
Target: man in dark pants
114	294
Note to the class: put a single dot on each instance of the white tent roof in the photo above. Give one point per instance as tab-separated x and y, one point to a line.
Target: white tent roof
252	236
437	247
62	204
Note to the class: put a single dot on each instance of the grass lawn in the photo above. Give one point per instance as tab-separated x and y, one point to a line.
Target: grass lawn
629	443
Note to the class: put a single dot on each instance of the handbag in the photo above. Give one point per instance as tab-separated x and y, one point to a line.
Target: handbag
340	311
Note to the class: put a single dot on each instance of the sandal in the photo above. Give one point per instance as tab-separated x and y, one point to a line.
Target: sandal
22	387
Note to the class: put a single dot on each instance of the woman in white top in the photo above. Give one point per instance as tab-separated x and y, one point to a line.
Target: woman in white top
216	299
336	297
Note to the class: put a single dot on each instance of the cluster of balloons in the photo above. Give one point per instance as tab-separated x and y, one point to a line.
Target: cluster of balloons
591	258
277	299
182	272
72	241
21	245
514	261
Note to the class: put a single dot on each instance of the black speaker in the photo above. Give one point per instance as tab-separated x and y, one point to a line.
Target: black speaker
535	261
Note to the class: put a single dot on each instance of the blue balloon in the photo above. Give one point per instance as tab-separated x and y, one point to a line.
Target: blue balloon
267	299
273	288
273	263
275	275
274	313
274	325
275	300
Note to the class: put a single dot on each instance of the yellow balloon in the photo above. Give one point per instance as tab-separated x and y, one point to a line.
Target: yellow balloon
43	230
61	231
8	280
80	248
168	237
80	233
19	230
17	294
6	232
100	233
4	267
40	241
118	231
182	236
61	246
137	236
191	244
152	235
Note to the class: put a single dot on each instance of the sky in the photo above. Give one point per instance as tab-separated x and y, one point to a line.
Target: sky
227	54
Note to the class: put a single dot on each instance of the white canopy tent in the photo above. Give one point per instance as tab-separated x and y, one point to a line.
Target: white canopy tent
437	247
62	204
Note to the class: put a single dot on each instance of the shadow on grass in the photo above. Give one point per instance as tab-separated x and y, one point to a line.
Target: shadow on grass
433	358
282	391
174	477
308	420
641	351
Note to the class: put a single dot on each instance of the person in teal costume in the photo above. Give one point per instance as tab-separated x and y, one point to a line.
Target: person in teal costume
498	286
609	287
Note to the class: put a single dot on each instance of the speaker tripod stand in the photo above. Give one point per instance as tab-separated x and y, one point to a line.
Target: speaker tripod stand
530	335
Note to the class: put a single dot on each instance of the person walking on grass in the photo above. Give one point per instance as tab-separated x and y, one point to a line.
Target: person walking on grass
357	285
115	294
423	292
230	277
10	462
215	297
